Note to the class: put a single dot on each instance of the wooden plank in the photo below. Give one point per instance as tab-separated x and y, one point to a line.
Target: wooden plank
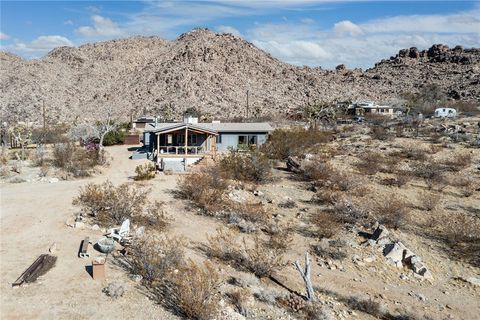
39	267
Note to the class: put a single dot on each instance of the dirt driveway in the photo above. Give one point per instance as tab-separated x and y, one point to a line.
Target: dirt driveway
33	216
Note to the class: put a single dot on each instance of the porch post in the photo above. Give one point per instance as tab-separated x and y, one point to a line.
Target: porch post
186	139
158	145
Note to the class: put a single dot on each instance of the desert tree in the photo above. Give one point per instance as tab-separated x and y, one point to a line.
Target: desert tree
22	134
101	122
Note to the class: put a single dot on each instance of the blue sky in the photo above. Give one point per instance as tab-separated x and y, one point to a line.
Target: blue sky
301	32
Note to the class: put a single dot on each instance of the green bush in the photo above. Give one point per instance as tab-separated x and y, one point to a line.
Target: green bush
114	137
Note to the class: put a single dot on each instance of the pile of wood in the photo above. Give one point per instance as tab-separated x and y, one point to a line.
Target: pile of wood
41	266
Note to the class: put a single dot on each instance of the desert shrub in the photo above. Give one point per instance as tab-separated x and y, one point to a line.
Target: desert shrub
249	166
334	249
287	204
391	211
267	296
205	189
223	245
350	212
431	172
283	143
253	212
457	162
259	258
44	170
262	259
40	156
76	160
51	134
398	181
326	196
145	172
156	257
379	132
194	293
318	171
413	152
366	305
154	217
370	163
240	299
429	201
327	223
109	204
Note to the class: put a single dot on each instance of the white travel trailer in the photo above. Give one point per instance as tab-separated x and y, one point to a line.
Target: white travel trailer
445	113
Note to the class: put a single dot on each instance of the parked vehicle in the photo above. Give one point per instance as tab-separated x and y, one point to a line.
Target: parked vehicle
445	113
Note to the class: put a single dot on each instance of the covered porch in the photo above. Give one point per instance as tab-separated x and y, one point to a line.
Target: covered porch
184	141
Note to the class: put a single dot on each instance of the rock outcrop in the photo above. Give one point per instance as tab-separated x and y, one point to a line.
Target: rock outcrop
211	72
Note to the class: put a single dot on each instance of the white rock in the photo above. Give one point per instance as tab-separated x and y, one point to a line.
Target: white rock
53	180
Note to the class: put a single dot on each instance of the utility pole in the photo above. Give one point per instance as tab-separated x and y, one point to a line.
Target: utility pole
44	121
247	103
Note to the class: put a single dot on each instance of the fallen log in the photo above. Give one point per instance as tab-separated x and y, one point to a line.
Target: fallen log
39	267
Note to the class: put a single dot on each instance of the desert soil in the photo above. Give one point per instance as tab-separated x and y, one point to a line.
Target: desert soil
34	215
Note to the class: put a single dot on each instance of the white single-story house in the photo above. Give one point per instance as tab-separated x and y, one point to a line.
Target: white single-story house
175	145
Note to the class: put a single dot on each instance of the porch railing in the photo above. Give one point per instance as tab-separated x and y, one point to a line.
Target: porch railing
181	149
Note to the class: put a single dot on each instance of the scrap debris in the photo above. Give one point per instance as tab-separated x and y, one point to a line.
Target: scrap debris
41	266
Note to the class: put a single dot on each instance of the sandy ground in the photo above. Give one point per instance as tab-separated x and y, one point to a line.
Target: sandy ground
33	217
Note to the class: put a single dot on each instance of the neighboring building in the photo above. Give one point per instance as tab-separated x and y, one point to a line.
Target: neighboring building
142	122
176	145
445	113
362	108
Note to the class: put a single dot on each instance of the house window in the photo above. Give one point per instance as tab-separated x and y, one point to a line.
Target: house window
192	139
169	138
219	138
242	140
247	140
181	139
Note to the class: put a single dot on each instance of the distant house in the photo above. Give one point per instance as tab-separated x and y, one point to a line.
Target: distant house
142	122
176	145
362	108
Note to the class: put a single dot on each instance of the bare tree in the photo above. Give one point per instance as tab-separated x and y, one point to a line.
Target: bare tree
305	273
104	120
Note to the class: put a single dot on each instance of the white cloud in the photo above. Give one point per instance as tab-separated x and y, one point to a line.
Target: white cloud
347	27
102	27
68	22
229	29
363	44
4	36
37	47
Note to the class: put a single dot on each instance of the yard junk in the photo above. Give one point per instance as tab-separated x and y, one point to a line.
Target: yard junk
83	253
41	266
106	245
98	268
121	234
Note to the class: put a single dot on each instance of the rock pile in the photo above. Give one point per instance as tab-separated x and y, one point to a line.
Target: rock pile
397	254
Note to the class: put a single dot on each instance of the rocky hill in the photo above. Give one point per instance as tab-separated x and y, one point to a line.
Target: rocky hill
212	72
